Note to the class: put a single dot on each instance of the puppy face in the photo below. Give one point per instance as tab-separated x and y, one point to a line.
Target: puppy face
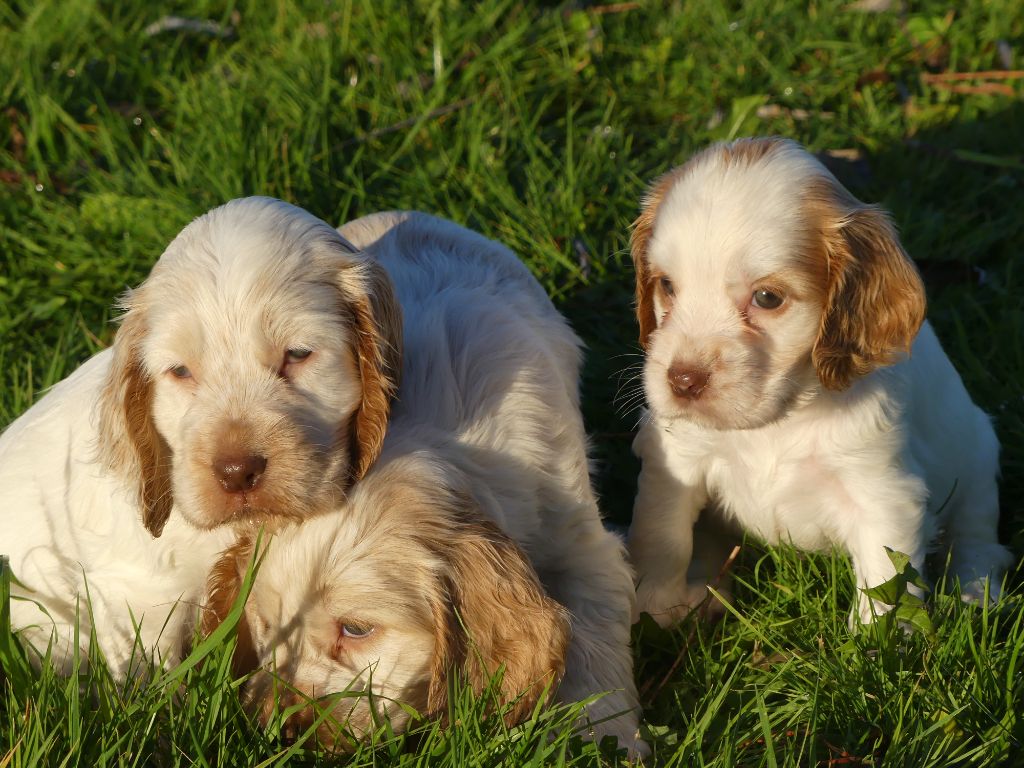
760	279
253	370
380	600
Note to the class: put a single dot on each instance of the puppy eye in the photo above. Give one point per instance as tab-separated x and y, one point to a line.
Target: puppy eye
666	286
297	355
356	631
180	372
765	299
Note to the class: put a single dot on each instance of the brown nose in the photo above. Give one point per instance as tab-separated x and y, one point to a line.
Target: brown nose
687	381
239	473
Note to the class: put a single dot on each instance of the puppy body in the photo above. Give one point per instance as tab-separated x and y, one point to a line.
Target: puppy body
483	486
774	309
76	541
199	384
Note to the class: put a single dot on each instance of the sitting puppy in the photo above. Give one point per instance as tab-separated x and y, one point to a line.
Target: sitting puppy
775	310
250	380
483	488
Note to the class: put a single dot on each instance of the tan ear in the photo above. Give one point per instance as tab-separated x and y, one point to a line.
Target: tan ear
129	443
875	300
223	586
639	243
497	615
378	325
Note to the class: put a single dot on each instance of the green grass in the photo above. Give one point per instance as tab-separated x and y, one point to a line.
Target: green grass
537	125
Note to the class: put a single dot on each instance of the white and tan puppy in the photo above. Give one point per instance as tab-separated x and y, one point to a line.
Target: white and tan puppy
478	516
250	380
776	311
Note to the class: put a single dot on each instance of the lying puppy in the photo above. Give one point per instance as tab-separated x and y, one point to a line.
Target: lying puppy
250	380
482	488
775	310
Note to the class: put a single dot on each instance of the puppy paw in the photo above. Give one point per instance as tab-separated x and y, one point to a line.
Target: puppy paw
974	591
670	604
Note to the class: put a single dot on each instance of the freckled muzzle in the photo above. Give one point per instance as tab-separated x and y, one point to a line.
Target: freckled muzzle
275	464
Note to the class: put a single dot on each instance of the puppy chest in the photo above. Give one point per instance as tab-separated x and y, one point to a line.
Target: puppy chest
781	499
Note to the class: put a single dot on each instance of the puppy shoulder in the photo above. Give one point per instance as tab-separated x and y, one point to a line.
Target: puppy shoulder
366	230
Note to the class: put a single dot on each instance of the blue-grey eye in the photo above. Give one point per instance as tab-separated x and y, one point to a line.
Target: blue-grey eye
356	631
180	372
297	355
765	299
666	286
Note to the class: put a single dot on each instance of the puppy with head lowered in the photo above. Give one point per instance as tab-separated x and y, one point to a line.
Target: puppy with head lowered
250	381
793	383
474	542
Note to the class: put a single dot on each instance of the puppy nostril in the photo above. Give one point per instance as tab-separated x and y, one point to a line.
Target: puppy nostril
686	381
239	473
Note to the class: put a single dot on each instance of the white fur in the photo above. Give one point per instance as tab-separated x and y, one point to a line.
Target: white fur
775	451
488	405
77	544
236	289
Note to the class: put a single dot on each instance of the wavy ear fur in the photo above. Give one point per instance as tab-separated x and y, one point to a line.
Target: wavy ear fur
378	327
129	443
222	589
496	615
875	300
639	243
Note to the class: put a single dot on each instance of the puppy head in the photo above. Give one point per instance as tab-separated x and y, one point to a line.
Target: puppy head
253	370
761	279
407	587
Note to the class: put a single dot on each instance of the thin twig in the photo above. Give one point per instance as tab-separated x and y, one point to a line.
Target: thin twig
613	8
991	74
982	88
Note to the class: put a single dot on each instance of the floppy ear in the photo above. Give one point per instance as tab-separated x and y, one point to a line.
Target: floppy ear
129	443
639	243
875	300
378	328
223	586
497	614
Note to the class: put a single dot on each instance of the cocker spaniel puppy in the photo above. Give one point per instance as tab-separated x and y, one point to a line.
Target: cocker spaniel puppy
250	380
776	311
476	539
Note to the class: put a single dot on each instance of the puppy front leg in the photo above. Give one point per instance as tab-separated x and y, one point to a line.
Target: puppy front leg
872	566
661	543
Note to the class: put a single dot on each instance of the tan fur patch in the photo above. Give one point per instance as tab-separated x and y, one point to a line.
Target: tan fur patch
222	589
497	600
129	443
639	243
875	301
743	151
378	320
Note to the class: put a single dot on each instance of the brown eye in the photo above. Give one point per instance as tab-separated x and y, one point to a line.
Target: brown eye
666	286
765	299
297	355
356	631
180	372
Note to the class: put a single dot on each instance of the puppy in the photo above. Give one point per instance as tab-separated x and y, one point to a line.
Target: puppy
250	380
775	310
482	490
